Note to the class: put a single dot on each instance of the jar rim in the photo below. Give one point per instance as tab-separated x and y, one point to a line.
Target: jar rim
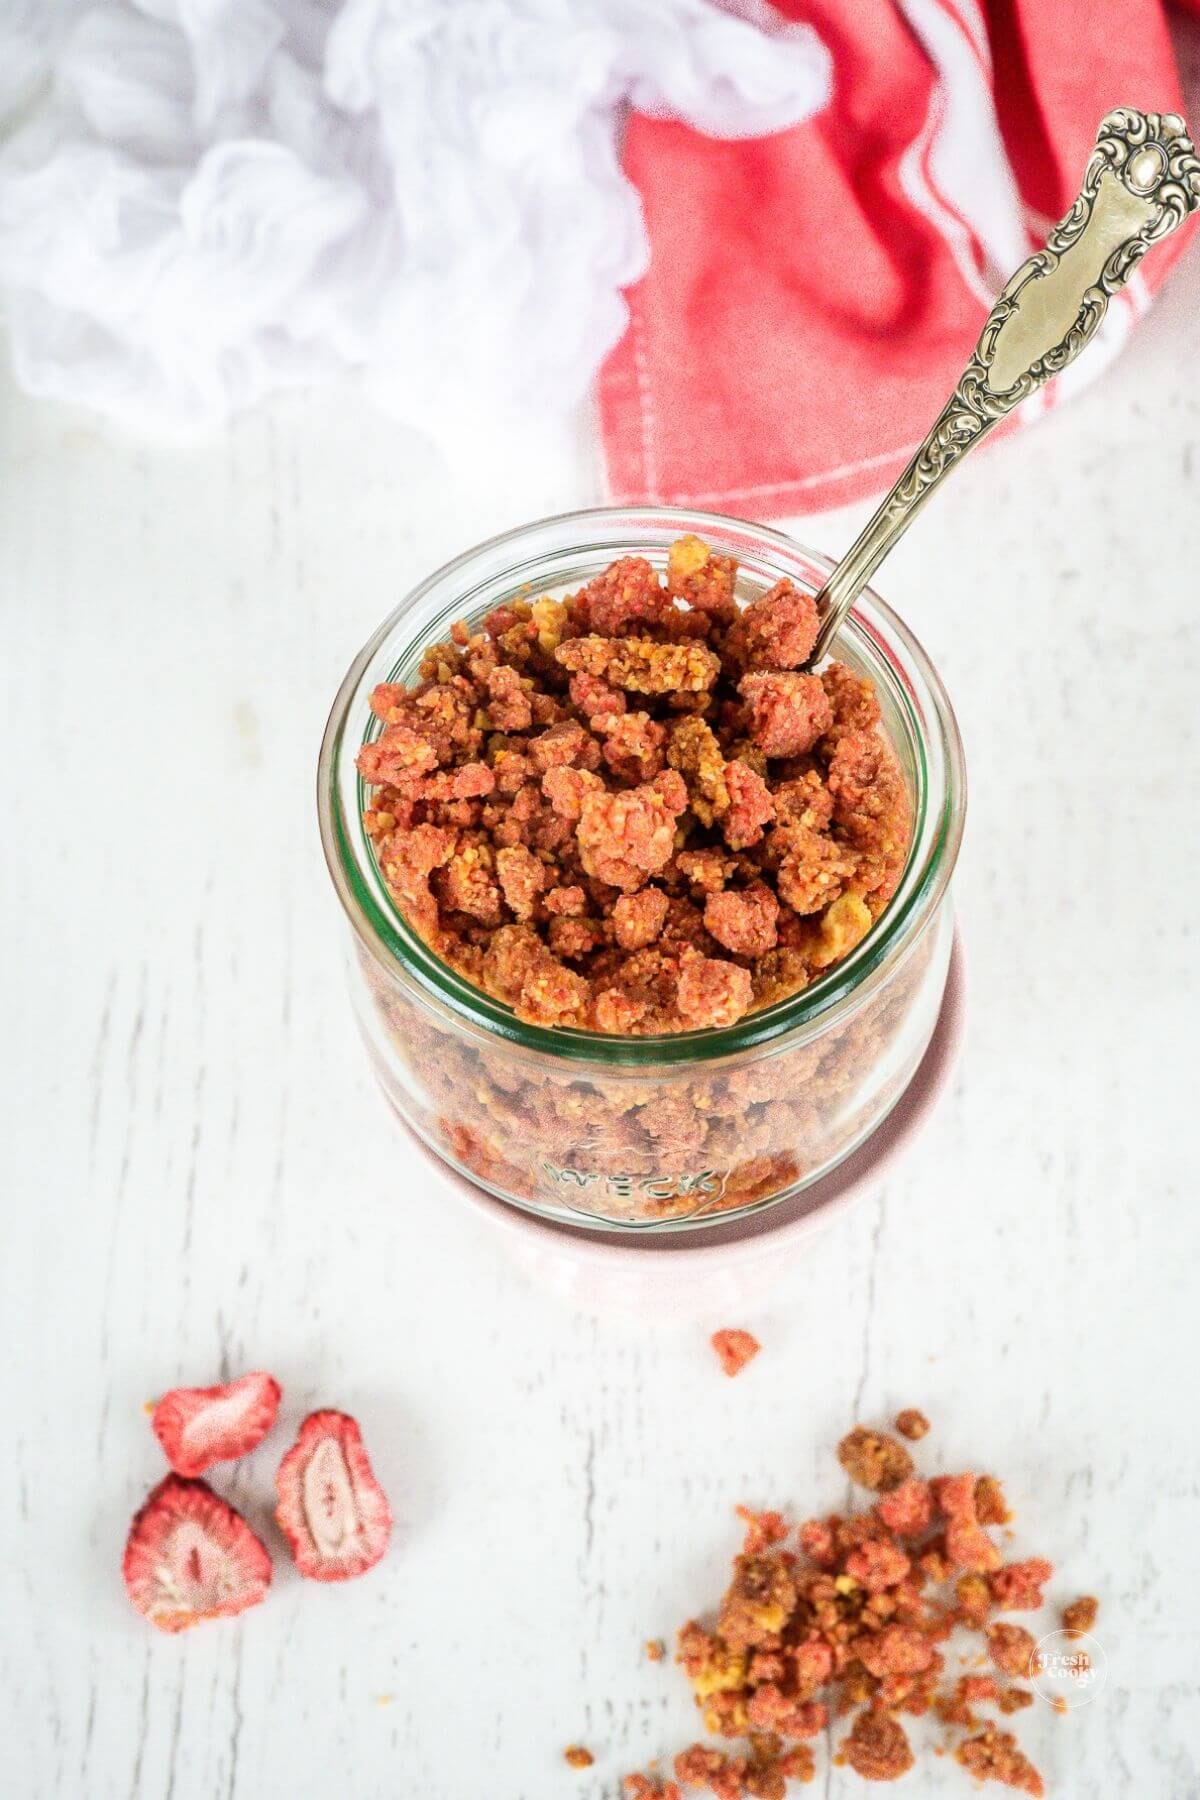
873	636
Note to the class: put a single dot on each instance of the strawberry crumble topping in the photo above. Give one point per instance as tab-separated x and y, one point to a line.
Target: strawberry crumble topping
735	1349
1080	1616
912	1424
632	810
857	1620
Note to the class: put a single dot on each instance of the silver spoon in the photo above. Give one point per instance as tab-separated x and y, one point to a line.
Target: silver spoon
1142	180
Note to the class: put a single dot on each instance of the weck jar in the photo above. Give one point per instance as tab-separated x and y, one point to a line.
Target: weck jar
563	1122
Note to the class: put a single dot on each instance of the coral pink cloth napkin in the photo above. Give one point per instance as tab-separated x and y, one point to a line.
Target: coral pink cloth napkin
812	296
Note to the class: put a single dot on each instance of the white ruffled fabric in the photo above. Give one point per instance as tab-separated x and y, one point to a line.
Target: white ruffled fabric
212	200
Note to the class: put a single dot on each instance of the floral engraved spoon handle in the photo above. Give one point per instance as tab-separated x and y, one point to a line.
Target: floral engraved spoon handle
1141	181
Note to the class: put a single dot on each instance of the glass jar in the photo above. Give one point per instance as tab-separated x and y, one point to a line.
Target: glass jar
647	1131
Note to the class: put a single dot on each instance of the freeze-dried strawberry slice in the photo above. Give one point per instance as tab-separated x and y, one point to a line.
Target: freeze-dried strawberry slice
331	1510
199	1426
189	1557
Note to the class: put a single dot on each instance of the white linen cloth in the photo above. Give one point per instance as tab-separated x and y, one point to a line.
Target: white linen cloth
209	200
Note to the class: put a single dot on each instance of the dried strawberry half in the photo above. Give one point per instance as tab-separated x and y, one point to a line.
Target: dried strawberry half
331	1510
189	1556
199	1426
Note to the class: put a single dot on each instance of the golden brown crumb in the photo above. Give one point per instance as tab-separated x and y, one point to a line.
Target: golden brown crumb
877	1748
911	1424
656	1650
1080	1616
995	1755
695	752
844	925
758	1602
1011	1647
991	1508
641	665
577	1757
874	1460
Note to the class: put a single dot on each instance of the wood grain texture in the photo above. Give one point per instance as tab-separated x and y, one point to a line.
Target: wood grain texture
200	1178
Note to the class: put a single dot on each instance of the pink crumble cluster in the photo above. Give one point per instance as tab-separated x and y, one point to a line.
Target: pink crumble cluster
633	810
846	1625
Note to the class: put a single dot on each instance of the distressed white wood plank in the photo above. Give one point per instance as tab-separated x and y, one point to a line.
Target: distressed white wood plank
200	1177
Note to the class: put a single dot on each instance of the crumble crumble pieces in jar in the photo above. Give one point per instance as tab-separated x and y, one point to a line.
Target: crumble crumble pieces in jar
650	924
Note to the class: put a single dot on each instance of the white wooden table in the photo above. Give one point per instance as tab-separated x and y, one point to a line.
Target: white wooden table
199	1177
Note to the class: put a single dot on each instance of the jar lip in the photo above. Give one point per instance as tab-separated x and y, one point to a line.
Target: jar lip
876	638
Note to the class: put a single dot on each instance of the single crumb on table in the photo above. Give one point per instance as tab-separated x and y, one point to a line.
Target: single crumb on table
577	1757
1080	1616
874	1460
735	1349
847	1622
995	1755
656	1650
912	1424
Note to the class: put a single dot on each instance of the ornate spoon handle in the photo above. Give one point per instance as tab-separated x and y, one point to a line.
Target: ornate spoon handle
1141	181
